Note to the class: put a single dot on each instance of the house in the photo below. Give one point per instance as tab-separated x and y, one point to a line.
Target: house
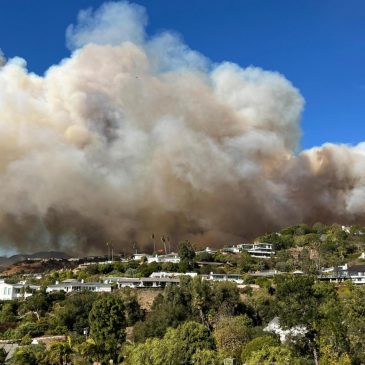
206	250
171	257
72	285
164	274
259	250
236	278
15	291
266	273
151	282
140	256
355	273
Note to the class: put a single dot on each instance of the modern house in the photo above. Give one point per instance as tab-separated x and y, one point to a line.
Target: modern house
260	250
355	273
164	274
72	285
16	291
236	278
171	257
153	282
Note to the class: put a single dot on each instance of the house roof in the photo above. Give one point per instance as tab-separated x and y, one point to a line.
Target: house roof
357	268
72	284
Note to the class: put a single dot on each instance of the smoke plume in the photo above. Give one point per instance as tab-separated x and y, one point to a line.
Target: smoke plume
133	135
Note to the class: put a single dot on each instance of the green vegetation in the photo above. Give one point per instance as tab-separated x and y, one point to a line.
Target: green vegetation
202	322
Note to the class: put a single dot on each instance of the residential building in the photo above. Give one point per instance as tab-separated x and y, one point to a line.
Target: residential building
164	274
122	282
171	257
236	278
16	291
259	250
355	273
72	285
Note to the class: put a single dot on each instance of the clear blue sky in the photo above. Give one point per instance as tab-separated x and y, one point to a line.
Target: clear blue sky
317	44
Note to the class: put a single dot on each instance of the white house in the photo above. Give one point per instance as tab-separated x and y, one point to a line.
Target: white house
236	278
259	250
171	257
73	285
15	291
140	256
122	282
164	274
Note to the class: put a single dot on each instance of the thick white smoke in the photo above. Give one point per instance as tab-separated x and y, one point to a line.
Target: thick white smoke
134	135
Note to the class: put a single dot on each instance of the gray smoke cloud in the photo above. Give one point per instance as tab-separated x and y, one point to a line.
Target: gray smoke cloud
133	135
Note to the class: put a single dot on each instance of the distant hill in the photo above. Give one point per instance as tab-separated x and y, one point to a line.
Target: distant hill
7	261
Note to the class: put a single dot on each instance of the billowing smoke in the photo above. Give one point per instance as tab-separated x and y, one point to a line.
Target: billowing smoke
134	135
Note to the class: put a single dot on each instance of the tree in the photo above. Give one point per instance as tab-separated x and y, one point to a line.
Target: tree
206	357
273	355
177	347
201	293
38	303
3	355
28	355
133	310
59	353
107	323
297	305
73	312
246	262
296	301
354	321
231	333
257	344
186	253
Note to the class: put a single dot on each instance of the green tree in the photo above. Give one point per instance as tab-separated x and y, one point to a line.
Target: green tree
29	355
133	310
297	305
231	333
206	357
59	353
186	253
257	344
273	355
3	355
73	312
354	321
107	324
177	347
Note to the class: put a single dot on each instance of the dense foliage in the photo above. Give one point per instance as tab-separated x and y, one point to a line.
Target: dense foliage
203	322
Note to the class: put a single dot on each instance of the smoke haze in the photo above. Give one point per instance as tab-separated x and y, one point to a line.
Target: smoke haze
133	135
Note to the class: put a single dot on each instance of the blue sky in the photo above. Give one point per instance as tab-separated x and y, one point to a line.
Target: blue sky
319	45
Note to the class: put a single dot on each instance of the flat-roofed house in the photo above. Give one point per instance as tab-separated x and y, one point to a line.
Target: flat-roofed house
72	285
16	291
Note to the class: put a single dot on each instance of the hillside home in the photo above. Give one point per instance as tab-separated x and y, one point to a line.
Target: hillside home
355	273
236	278
122	282
259	250
72	285
16	291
